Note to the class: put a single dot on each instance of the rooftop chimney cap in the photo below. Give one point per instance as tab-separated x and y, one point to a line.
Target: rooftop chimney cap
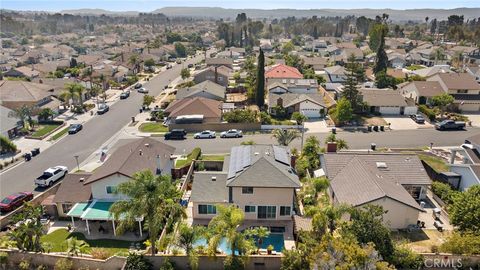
147	145
81	179
214	178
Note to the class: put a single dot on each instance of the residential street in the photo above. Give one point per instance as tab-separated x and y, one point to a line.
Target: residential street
95	132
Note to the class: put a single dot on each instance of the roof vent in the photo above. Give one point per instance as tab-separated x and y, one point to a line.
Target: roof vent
382	165
214	178
147	145
140	152
81	179
256	153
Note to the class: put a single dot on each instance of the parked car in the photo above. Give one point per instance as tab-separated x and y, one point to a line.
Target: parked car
74	128
206	134
169	66
176	134
232	133
449	125
138	86
51	175
103	108
125	94
418	118
190	65
14	201
143	90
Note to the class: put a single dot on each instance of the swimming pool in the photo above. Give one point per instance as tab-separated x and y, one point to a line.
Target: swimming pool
274	239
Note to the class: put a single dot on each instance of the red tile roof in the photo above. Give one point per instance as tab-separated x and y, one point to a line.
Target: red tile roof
283	71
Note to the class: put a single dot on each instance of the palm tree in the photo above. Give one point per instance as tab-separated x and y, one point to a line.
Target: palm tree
153	198
285	136
134	60
75	246
186	239
457	59
24	114
327	218
27	235
261	233
70	93
225	225
341	144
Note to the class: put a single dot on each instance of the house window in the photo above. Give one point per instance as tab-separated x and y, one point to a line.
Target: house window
66	207
267	212
249	209
285	210
462	91
207	209
111	189
247	190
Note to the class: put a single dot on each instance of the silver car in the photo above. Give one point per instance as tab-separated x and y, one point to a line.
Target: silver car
206	134
143	90
232	133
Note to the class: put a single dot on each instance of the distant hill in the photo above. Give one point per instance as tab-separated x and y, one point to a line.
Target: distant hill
98	12
395	15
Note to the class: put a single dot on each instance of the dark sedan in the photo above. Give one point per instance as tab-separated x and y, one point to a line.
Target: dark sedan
14	201
74	128
125	95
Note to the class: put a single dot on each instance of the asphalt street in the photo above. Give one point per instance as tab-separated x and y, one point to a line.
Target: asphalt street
95	132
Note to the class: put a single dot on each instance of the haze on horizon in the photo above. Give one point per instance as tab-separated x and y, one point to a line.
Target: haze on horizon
150	5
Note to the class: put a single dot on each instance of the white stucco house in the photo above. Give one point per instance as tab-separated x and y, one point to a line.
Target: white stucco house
388	102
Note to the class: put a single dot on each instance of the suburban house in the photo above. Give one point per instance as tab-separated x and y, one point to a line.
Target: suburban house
259	180
387	102
317	63
88	196
22	72
430	71
397	60
206	89
298	86
335	74
468	169
463	87
474	71
217	74
281	71
15	94
221	61
421	92
312	105
9	125
394	181
209	110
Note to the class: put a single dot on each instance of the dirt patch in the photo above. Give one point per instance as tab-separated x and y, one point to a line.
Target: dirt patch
421	240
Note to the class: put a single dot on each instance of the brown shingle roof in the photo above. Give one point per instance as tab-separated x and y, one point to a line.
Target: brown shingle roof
24	91
72	189
383	97
459	81
428	88
138	155
197	105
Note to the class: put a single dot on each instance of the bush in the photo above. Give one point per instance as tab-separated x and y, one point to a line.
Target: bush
137	262
405	258
265	118
3	258
443	191
100	253
6	145
63	264
24	265
167	265
196	153
468	244
240	116
430	113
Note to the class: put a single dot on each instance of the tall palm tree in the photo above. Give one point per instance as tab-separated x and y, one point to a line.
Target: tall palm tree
153	198
134	60
285	136
24	114
225	225
327	218
75	246
70	94
186	239
260	233
457	59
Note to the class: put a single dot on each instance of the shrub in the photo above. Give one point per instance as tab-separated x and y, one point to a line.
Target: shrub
467	243
404	258
443	191
196	153
430	113
240	116
6	145
24	265
3	258
41	267
63	264
100	253
167	265
137	262
249	142
265	118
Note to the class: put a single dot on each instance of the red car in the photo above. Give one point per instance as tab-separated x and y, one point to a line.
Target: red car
15	200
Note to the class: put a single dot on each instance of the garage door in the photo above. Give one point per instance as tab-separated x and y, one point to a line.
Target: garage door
470	107
410	110
311	113
390	110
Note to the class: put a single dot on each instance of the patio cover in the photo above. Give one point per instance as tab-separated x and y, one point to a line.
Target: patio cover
78	209
98	210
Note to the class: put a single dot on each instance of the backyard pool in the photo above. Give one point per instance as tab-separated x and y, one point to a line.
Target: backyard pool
274	239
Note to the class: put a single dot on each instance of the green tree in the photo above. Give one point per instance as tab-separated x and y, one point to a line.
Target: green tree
404	258
311	152
240	116
260	87
147	100
149	63
350	90
30	229
180	49
467	243
153	198
137	262
45	114
341	144
299	118
294	259
75	246
6	145
465	210
134	60
381	59
288	47
185	73
23	114
343	112
186	238
73	92
285	136
442	101
375	35
382	80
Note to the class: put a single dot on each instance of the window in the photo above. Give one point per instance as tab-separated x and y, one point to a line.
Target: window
66	207
207	209
247	190
111	189
267	212
462	91
285	210
249	209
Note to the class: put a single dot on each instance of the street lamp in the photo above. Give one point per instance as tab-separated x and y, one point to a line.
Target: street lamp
78	165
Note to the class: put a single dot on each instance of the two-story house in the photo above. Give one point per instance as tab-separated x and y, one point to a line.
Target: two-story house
259	180
217	74
463	87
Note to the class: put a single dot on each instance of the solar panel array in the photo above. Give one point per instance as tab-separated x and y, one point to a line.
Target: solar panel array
240	158
281	155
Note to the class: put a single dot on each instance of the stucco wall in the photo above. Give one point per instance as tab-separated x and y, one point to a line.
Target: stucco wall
399	216
99	188
468	177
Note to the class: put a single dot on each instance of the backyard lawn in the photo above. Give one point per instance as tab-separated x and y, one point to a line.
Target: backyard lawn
153	127
58	238
43	130
436	163
213	157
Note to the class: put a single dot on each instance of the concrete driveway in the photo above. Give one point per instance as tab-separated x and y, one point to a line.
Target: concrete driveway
404	123
475	118
316	126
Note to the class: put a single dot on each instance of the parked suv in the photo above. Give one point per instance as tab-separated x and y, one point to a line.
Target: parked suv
176	134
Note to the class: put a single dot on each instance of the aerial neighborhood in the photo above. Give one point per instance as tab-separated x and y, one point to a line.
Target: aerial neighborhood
188	139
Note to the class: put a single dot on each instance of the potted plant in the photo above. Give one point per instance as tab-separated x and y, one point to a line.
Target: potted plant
269	249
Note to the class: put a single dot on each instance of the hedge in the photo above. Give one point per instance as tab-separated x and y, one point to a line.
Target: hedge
6	145
427	111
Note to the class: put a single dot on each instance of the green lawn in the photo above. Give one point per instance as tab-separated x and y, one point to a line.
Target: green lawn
153	127
59	134
58	238
436	163
282	122
44	129
213	157
414	67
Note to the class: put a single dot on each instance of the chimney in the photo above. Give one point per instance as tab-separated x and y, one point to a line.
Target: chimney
331	147
147	145
81	179
214	178
159	166
140	152
216	74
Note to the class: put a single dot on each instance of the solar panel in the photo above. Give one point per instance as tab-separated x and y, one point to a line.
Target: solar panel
281	155
240	158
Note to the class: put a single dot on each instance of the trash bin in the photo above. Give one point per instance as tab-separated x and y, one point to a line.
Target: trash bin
141	110
382	128
334	130
369	128
373	146
27	156
35	151
375	128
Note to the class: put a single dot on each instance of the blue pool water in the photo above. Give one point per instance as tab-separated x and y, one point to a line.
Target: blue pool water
274	239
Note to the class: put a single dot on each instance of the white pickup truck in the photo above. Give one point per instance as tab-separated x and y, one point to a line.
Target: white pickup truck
51	175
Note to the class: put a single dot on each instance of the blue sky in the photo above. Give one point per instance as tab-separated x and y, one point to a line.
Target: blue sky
149	5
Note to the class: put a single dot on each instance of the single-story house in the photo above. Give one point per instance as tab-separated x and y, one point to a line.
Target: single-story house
421	92
387	102
210	109
221	61
9	125
310	105
15	94
335	74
